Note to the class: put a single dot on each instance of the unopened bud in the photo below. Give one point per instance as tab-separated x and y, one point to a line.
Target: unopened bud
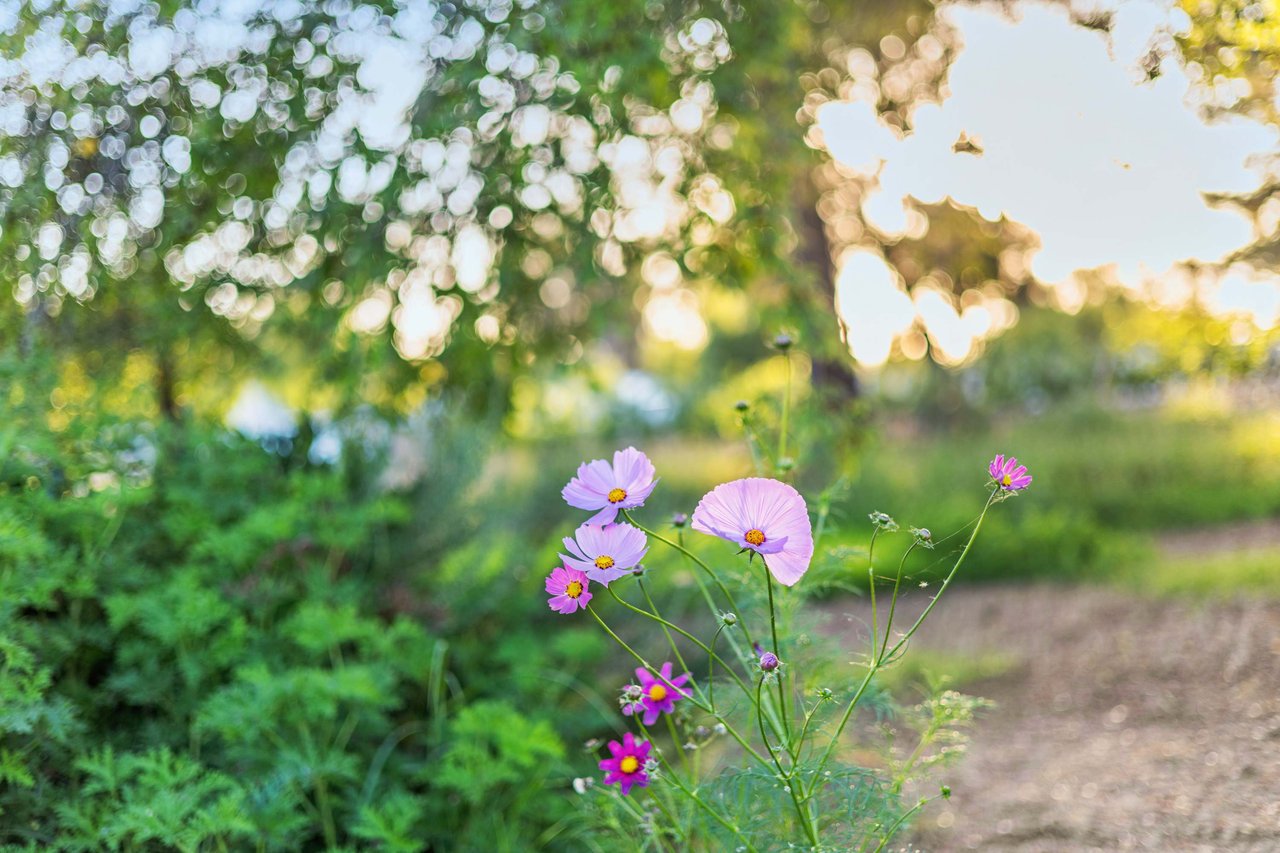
769	662
783	342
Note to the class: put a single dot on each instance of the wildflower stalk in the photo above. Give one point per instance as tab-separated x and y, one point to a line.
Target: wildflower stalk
782	692
693	795
787	779
666	626
950	576
675	743
903	818
893	603
671	625
876	660
679	546
697	561
701	706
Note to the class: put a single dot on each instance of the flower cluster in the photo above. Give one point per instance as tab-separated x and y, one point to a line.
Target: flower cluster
760	517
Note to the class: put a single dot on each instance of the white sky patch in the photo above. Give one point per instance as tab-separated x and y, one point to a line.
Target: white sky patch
1107	169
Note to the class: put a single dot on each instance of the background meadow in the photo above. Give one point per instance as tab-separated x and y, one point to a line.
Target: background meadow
310	309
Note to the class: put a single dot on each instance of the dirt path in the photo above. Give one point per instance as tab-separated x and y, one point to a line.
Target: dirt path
1127	724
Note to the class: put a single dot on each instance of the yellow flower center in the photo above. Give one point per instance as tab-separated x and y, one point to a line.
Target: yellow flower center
630	764
1006	480
755	536
617	496
604	561
574	589
657	693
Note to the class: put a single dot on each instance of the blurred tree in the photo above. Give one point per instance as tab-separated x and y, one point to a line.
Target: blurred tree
382	200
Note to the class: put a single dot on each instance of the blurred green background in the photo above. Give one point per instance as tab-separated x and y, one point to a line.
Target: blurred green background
311	309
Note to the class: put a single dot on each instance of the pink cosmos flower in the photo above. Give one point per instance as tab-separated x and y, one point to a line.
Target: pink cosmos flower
626	766
1008	474
657	695
568	590
765	516
605	553
625	485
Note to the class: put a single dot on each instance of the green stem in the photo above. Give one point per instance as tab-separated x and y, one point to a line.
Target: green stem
782	693
666	626
698	562
950	575
675	742
874	664
675	777
670	625
893	829
788	780
893	603
719	717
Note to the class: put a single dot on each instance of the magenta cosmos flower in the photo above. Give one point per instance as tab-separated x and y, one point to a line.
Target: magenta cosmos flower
1008	474
605	553
568	590
625	485
625	766
657	695
764	516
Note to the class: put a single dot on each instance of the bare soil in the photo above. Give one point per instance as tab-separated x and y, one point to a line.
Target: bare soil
1126	723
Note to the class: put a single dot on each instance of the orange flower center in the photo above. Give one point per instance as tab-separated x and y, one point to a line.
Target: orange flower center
574	589
604	561
617	496
755	536
630	764
657	693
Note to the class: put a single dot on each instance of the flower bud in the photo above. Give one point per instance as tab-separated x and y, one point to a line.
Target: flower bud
729	619
783	342
769	662
883	521
679	520
742	405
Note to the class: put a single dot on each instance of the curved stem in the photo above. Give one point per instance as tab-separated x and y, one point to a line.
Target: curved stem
788	780
693	795
697	561
666	626
655	617
782	692
893	604
719	717
874	665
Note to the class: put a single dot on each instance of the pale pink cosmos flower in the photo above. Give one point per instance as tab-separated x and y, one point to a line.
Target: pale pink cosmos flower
605	553
624	485
761	515
568	589
1008	474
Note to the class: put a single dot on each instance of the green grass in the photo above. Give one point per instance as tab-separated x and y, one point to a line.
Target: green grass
1106	484
1255	571
920	671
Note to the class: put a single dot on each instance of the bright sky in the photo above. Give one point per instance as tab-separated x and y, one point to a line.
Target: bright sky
1108	169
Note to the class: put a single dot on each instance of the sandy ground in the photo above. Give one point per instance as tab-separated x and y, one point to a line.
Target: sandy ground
1126	723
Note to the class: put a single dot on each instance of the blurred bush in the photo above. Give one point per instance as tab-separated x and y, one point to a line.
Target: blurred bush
227	647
